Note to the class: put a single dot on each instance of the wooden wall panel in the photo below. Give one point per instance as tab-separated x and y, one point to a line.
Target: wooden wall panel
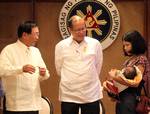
11	14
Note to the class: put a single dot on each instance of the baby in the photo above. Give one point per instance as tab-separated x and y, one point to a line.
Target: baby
128	74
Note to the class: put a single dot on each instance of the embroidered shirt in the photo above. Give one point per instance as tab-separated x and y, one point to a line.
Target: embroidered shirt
22	90
79	66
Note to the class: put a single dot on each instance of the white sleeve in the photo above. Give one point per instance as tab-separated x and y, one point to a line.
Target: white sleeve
99	58
6	64
58	58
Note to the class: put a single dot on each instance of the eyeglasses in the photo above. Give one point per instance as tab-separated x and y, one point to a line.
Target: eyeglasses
79	30
35	33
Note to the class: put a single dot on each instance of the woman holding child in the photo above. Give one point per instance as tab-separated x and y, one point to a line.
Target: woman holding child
135	47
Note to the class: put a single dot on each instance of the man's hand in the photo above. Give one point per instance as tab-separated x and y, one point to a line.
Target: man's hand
29	69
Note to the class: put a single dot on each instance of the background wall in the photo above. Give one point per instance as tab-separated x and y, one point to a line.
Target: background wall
132	14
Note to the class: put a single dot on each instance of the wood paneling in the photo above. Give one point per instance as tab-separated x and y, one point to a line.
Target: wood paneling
11	15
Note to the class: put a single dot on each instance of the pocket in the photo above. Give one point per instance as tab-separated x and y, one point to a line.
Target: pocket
89	55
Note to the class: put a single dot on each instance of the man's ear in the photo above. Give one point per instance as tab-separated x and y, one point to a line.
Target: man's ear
69	30
24	35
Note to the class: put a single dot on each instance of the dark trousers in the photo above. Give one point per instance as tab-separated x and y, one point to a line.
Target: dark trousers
21	112
127	104
73	108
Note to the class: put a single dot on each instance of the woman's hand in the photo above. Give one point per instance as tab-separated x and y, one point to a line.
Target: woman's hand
105	87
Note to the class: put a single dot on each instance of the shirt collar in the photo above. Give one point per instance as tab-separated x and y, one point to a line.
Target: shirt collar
72	41
22	45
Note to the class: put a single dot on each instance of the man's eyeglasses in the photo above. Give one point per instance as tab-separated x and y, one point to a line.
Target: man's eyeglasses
79	30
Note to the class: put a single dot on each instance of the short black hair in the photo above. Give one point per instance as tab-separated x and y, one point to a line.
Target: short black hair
137	41
130	74
26	27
